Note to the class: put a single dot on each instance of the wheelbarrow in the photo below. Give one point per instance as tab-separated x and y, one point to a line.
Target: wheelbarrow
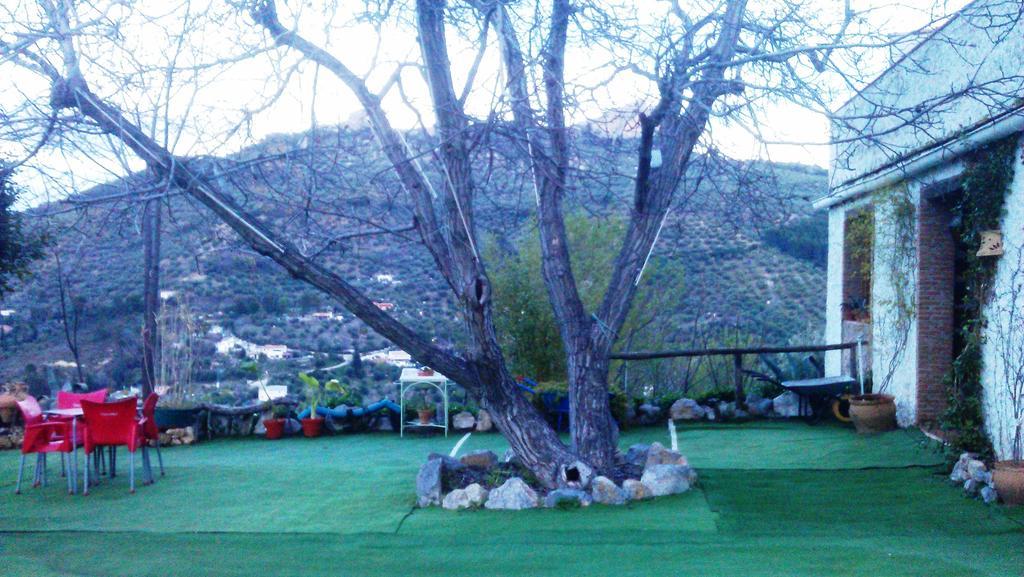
818	396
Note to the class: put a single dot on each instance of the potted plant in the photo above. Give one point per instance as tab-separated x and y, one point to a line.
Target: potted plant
873	412
177	407
425	372
275	424
425	410
315	390
857	310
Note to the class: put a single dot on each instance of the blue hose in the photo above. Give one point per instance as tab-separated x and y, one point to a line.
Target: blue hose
343	411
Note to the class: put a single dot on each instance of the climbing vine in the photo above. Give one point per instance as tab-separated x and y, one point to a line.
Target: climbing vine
985	185
896	258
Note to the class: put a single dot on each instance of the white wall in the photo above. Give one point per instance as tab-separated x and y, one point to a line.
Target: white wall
834	289
981	46
893	341
1003	349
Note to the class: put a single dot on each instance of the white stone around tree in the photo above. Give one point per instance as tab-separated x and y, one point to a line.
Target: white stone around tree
472	496
988	494
428	484
657	454
482	459
663	480
636	490
686	409
512	495
567	496
606	492
787	404
464	421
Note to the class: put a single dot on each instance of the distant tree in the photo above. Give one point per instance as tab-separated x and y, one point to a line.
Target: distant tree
72	309
18	247
357	362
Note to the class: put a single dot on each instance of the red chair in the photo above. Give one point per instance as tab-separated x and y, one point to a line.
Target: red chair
115	424
74	400
150	431
41	438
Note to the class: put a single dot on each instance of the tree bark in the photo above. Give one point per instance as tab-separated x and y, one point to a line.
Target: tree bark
151	294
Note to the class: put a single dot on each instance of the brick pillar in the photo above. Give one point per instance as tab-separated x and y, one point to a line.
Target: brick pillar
936	255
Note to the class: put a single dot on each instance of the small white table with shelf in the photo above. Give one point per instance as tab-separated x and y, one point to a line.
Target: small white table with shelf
412	379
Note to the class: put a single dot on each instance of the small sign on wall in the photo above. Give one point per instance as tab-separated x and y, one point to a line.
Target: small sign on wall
991	243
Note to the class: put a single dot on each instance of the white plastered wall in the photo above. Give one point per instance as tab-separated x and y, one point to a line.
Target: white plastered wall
1003	348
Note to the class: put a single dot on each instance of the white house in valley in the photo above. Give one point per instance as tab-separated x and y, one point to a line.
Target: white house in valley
913	216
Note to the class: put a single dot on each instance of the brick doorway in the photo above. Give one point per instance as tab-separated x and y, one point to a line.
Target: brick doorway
941	259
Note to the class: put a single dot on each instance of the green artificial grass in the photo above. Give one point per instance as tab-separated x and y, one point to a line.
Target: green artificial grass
773	499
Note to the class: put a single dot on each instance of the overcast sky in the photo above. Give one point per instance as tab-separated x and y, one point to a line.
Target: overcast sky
202	113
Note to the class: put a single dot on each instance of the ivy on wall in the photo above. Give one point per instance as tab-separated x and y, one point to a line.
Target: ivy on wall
985	185
896	260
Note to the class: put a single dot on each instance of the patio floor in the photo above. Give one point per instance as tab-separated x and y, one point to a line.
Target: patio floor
773	499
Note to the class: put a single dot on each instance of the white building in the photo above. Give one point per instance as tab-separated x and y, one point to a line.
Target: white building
898	235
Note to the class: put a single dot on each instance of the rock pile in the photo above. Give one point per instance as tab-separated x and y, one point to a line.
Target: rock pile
185	436
975	478
480	479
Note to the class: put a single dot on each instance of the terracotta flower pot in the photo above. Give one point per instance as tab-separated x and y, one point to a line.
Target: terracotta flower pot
873	413
426	416
1008	477
312	427
275	428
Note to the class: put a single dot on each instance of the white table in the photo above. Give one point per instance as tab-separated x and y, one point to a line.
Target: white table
412	379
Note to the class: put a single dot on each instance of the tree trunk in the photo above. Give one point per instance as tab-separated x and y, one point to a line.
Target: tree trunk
594	432
151	294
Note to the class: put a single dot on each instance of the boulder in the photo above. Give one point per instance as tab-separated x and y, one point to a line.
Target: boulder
708	413
567	497
972	487
472	496
576	475
483	421
513	494
988	494
726	410
635	490
447	463
606	492
659	455
741	414
636	455
787	404
687	410
292	426
480	459
662	480
649	411
463	421
428	483
761	408
978	471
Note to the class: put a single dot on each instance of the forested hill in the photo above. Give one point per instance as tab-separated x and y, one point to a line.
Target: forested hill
751	250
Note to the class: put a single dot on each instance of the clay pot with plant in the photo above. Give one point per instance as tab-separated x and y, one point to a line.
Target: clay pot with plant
275	424
425	410
312	425
873	413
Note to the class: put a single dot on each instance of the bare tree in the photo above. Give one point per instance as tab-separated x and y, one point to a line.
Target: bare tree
71	311
700	63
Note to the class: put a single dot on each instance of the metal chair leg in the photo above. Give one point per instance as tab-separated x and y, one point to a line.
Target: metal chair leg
131	471
37	479
85	490
63	472
65	465
44	470
159	457
21	471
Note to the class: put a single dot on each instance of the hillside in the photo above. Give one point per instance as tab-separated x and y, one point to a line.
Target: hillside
750	247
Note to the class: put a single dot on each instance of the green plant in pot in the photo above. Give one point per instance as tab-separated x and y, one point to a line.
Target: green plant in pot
315	391
177	407
275	424
425	410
